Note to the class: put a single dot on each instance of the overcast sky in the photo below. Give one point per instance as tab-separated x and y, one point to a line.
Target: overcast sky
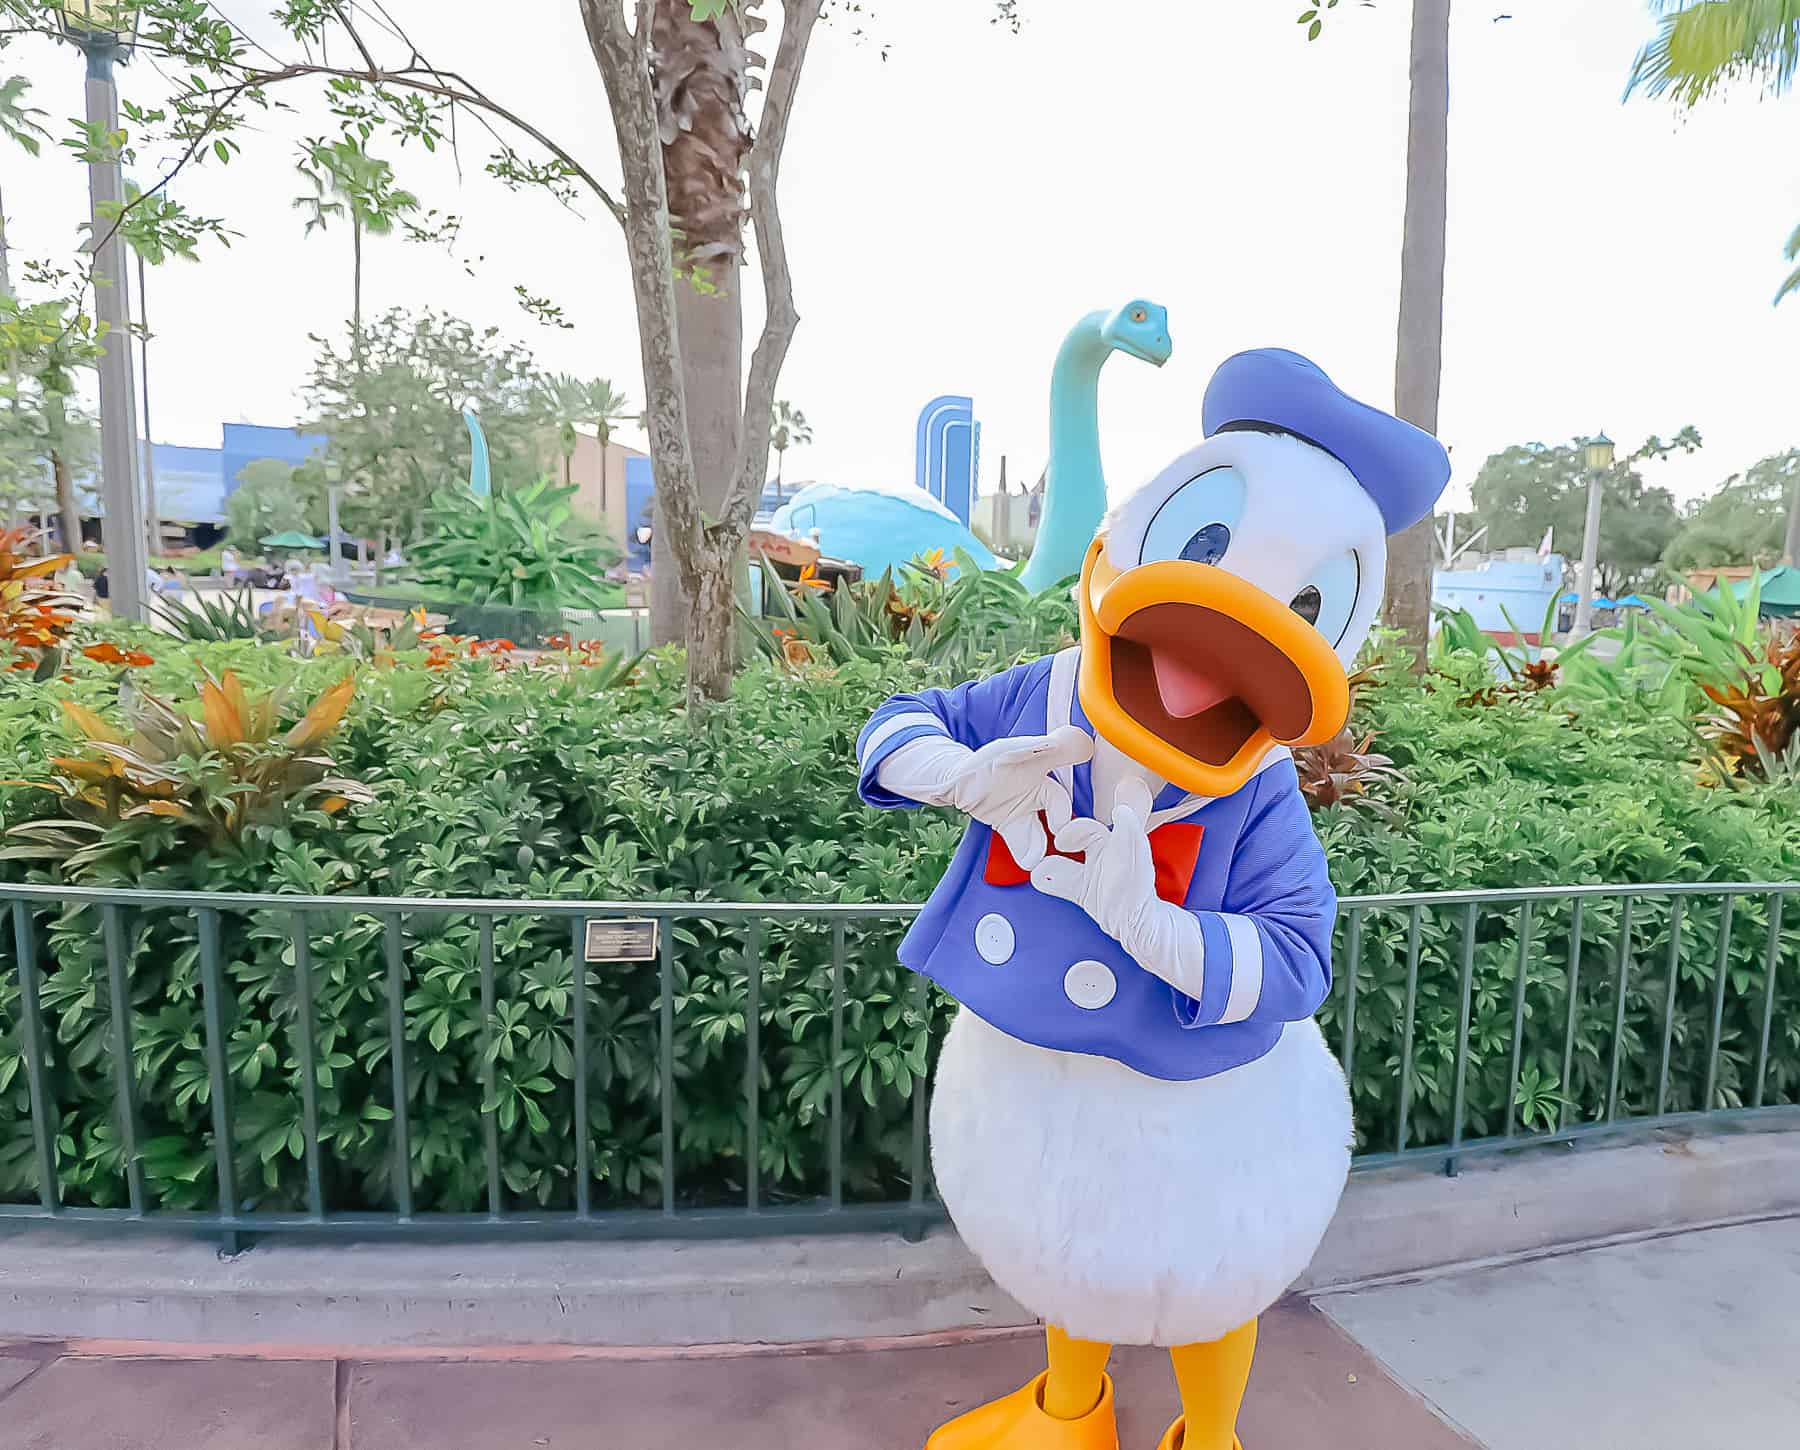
952	209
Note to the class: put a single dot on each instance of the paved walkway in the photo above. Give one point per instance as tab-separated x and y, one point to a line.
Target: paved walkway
1313	1389
1679	1343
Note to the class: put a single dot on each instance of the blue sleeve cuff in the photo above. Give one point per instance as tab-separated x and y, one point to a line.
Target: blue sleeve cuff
886	744
1215	990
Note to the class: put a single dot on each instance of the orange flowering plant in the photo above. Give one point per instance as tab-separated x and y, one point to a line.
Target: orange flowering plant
35	613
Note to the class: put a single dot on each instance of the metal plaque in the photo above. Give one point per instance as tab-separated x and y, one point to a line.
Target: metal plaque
620	939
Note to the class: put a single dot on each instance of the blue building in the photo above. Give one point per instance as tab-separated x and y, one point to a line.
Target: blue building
947	453
192	484
247	443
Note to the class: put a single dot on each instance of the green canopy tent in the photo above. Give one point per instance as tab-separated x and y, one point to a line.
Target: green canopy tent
292	539
1780	592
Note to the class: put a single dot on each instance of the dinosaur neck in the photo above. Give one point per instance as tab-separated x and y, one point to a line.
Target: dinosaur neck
1075	411
1074	487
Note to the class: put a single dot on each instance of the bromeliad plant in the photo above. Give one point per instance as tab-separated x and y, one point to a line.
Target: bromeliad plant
521	548
1748	673
208	781
205	620
960	619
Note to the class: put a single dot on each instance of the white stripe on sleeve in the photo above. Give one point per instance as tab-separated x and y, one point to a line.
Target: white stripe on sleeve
880	734
1246	967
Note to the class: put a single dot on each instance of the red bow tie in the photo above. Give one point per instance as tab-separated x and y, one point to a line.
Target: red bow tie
1175	848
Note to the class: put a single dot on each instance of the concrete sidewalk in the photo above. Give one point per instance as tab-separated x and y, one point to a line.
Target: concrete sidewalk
1684	1342
1313	1389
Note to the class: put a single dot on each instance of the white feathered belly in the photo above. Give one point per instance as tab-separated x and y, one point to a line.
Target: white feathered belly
1132	1210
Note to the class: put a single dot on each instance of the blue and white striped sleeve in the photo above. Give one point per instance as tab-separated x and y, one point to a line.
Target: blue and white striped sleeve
971	714
1268	953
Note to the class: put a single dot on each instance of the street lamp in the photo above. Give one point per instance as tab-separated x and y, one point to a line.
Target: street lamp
1597	454
106	30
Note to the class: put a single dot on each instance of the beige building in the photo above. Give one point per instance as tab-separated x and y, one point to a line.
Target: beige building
600	482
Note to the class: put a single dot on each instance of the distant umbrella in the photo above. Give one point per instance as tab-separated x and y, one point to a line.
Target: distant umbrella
292	539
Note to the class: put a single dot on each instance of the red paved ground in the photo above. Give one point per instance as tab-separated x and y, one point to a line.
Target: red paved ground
1313	1389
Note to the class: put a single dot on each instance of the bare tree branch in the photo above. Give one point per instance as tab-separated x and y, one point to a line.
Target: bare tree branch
343	14
779	315
428	81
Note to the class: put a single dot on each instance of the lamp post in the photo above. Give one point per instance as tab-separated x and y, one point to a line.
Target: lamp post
151	513
106	30
1597	454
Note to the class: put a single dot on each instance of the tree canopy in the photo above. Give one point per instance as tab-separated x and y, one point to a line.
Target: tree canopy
1744	521
270	499
1530	487
393	417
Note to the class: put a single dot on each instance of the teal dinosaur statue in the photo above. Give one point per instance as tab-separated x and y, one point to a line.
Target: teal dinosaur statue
1074	487
480	478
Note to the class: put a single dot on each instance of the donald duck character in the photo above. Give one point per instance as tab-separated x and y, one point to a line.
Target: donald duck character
1137	1125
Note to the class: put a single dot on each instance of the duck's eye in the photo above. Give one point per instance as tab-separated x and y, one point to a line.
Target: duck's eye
1196	520
1138	314
1328	599
1208	545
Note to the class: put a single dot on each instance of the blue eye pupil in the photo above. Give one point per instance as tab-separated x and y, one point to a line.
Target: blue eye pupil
1208	546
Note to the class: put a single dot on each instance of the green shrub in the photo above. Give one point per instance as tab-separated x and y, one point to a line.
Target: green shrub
518	548
512	782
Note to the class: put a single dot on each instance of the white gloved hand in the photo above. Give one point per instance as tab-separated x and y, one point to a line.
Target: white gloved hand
1005	784
1115	884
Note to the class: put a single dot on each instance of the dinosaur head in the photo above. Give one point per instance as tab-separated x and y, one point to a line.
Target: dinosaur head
1141	329
1223	601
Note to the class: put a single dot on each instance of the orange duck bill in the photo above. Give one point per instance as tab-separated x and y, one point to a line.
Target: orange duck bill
1197	673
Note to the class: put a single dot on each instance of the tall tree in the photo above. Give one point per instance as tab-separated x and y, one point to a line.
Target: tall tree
1419	356
1703	47
349	183
44	345
392	414
700	66
1419	353
791	430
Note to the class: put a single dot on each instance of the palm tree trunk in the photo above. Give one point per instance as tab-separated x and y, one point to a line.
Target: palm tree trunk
780	459
710	333
1418	361
356	327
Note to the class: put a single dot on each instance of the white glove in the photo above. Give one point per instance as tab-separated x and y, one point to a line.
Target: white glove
1004	784
1116	885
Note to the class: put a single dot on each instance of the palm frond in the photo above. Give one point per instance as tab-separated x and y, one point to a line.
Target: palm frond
1702	46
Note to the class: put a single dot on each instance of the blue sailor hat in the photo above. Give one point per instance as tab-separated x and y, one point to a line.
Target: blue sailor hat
1401	467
